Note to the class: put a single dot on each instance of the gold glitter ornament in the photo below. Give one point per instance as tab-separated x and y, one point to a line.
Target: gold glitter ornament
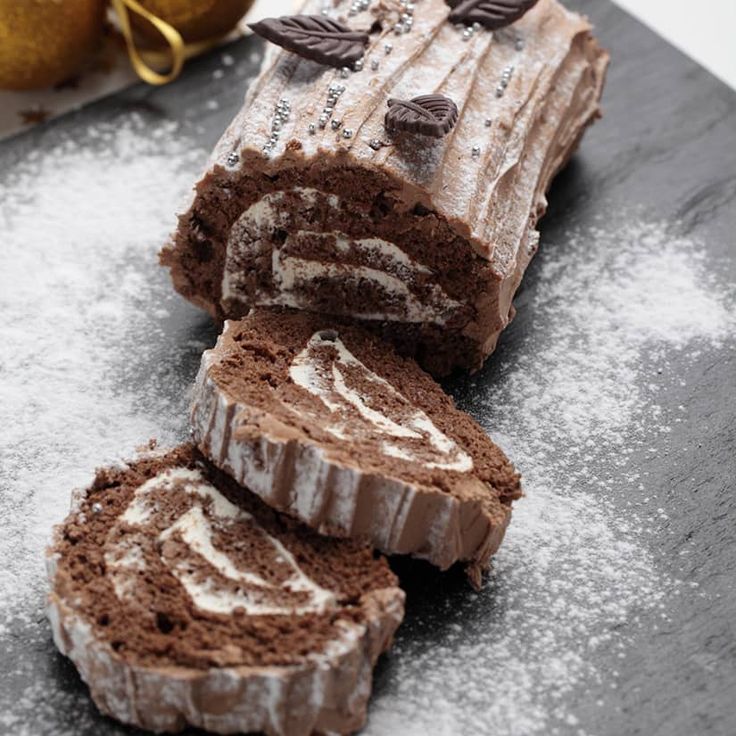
44	42
196	20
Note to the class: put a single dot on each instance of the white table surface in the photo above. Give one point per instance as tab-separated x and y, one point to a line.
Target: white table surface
705	30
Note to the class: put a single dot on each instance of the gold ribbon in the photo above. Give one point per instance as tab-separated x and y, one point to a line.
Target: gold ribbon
171	36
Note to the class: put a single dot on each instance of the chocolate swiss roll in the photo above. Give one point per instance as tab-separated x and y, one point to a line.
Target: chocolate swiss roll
183	600
390	167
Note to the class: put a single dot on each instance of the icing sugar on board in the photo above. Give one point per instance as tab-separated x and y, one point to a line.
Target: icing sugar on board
610	608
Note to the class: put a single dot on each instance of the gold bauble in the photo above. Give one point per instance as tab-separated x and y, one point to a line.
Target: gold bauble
196	20
44	42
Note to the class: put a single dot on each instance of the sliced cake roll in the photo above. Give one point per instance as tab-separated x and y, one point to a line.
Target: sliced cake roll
326	422
183	600
391	167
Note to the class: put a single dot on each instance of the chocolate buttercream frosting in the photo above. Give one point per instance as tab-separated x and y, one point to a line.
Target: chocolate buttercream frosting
325	422
183	600
309	203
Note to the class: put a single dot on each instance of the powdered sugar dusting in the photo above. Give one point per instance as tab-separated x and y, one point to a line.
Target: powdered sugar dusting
81	226
575	573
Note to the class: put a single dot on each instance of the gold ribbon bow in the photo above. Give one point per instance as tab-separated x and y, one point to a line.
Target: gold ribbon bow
171	36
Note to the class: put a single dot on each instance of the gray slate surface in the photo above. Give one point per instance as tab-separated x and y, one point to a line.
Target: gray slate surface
667	144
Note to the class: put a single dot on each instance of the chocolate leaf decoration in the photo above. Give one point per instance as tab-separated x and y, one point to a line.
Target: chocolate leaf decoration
432	115
491	14
314	37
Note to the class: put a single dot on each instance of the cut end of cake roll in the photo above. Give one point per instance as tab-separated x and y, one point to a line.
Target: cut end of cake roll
183	600
326	422
312	201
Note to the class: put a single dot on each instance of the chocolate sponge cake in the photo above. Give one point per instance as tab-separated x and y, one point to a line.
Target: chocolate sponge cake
183	600
326	422
401	189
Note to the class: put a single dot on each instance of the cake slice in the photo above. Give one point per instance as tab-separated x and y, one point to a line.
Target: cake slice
402	190
183	600
326	422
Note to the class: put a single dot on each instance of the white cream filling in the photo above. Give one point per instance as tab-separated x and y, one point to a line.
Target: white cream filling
124	559
264	213
318	372
292	274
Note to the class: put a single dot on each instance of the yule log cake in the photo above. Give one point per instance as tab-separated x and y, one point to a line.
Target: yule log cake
183	600
325	421
396	174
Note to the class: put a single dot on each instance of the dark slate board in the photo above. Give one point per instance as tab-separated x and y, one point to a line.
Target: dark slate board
667	144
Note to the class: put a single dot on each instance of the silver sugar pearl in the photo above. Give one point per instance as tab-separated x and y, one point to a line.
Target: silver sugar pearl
345	72
374	65
375	144
232	158
477	26
347	133
336	124
388	48
312	128
358	65
488	122
499	91
96	507
476	151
